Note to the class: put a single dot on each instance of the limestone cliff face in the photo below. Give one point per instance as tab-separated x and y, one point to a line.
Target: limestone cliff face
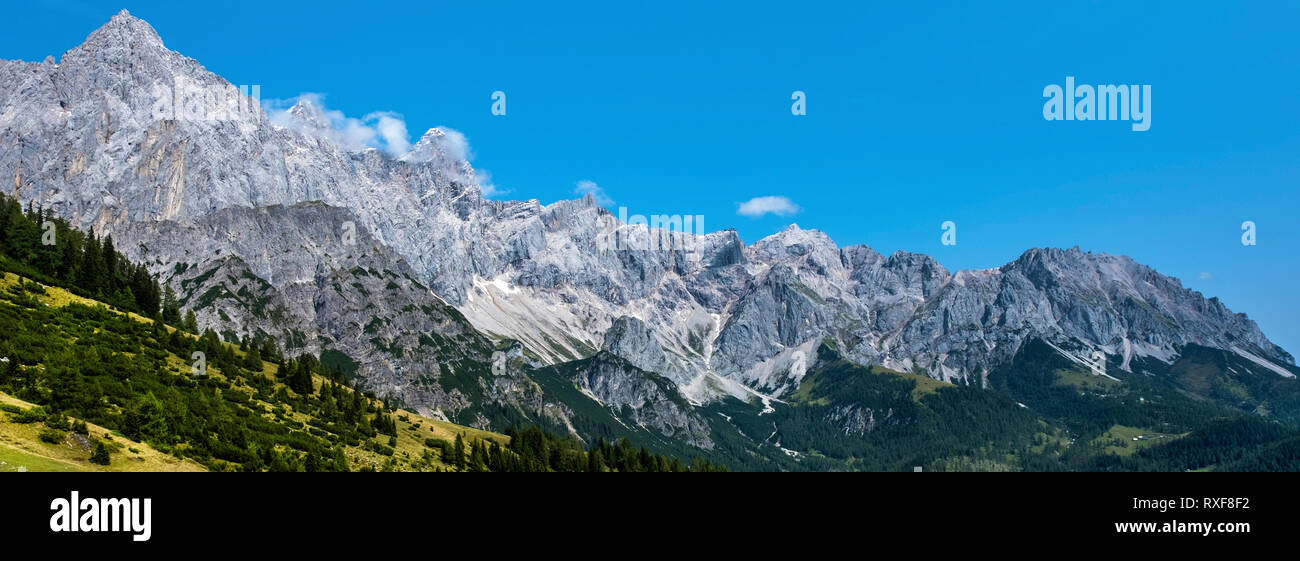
303	275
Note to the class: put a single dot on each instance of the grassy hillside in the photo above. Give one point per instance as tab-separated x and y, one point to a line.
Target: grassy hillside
124	358
23	449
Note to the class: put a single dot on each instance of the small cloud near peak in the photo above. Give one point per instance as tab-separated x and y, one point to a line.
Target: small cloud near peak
587	188
761	206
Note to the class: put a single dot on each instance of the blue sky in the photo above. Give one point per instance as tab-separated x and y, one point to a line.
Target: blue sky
916	114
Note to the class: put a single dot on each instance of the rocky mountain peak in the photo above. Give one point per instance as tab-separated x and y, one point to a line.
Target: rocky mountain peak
123	31
309	115
920	262
439	145
794	240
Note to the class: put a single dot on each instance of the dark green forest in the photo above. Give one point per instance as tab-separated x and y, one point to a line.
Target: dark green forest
40	246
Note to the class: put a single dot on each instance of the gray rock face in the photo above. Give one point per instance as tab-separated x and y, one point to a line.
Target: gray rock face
302	275
650	401
631	337
245	218
855	419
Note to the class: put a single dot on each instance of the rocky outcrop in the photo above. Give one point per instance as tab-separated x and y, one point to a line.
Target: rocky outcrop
649	400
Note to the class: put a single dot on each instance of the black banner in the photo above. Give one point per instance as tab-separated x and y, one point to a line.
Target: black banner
306	512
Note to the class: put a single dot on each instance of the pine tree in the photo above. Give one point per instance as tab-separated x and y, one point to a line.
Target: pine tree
171	311
48	256
595	461
191	323
458	453
144	289
313	464
68	263
152	420
6	211
496	457
253	361
270	351
110	265
478	457
100	456
21	236
91	277
300	377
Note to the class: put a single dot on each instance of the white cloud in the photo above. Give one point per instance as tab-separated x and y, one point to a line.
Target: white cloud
761	206
586	187
383	130
489	190
456	143
1204	275
392	129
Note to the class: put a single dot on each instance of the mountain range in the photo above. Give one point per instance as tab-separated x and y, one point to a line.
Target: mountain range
492	313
